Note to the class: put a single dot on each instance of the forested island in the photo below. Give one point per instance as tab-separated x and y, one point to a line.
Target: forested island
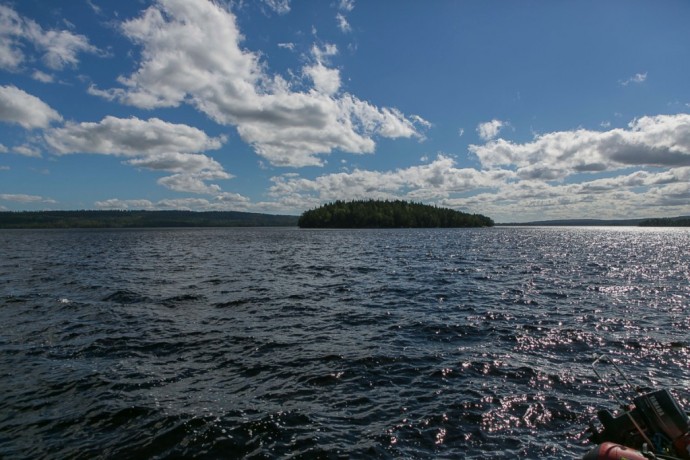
141	219
388	214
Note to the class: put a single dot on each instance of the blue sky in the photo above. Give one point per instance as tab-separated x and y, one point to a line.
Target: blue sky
520	110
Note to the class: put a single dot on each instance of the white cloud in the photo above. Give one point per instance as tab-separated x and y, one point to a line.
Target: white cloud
637	78
191	171
343	25
229	85
489	129
58	48
42	77
17	106
3	149
117	204
193	183
522	182
177	162
346	5
461	132
129	137
22	198
639	194
4	168
659	141
152	144
11	25
96	9
279	6
222	202
326	80
27	151
434	180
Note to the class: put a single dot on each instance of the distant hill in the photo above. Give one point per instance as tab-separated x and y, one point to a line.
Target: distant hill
682	221
141	219
388	214
578	223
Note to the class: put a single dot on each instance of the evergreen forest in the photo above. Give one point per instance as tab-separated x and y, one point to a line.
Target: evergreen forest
388	214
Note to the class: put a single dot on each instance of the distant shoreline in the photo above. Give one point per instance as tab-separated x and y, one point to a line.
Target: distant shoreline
681	221
140	219
191	219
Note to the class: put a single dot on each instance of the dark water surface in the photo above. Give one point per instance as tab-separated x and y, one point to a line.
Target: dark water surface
287	343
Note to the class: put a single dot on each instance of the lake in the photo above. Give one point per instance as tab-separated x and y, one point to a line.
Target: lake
281	342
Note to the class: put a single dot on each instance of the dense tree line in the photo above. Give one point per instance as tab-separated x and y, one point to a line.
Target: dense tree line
140	219
666	222
388	214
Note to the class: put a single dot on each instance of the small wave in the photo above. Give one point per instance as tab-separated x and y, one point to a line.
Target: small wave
125	297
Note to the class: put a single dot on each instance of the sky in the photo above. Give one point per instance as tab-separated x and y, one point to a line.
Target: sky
518	110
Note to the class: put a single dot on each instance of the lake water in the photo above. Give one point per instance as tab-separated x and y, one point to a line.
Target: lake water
277	343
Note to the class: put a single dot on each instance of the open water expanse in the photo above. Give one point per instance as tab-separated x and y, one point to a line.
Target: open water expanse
288	343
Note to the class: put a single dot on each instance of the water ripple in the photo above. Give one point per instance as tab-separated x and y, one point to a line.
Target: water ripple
272	343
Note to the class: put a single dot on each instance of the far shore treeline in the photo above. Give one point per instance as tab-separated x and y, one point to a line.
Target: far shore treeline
340	214
388	214
141	219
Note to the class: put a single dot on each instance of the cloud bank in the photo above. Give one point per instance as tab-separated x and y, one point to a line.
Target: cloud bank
526	181
230	85
658	141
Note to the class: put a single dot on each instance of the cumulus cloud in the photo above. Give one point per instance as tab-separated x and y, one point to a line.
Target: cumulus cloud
490	129
434	180
152	144
657	141
129	137
209	70
639	194
223	202
57	48
326	80
191	171
18	106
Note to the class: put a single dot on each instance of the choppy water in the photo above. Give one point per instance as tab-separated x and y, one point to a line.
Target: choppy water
287	343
